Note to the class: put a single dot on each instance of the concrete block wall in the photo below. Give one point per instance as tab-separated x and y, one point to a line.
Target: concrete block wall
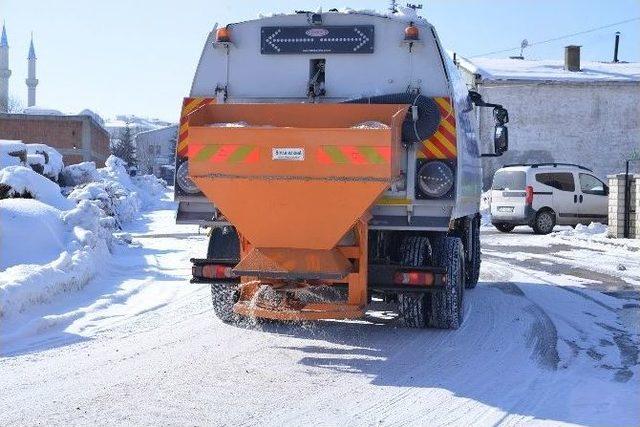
616	206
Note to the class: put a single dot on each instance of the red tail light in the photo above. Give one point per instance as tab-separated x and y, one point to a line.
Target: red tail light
215	271
528	198
413	278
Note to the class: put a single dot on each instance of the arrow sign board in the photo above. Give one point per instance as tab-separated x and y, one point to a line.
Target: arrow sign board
317	39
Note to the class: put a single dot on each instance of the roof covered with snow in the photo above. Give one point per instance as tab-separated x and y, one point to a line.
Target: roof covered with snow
497	69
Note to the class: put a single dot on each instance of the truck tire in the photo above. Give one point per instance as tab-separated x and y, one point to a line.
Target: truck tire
544	222
472	269
503	227
446	308
224	244
223	297
413	308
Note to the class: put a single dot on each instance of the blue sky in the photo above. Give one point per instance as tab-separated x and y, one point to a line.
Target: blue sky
138	57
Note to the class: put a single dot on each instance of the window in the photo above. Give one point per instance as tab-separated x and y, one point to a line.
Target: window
560	180
509	180
589	184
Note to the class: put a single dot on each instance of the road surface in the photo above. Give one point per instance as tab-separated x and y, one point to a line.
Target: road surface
546	339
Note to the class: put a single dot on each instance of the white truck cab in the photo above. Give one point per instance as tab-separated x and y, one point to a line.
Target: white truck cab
545	194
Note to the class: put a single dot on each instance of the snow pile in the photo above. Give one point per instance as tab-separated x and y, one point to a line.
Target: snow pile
78	174
51	244
11	152
33	224
53	164
150	189
113	191
36	159
24	182
70	247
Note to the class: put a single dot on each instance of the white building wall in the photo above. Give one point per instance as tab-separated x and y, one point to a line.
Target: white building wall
154	149
596	124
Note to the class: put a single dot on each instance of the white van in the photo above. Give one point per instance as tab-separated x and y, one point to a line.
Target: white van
545	194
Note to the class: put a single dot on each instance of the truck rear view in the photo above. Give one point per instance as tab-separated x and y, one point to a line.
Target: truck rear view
333	157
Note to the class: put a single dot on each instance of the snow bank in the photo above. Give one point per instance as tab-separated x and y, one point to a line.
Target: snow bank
24	285
23	180
53	166
31	232
52	244
47	251
78	174
10	152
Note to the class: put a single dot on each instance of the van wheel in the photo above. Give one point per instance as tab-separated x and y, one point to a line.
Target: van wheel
544	222
503	227
447	304
415	251
473	265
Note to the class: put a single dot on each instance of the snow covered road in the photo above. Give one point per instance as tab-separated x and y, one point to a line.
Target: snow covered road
543	341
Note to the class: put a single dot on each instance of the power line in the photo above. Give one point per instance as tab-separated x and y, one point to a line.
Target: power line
591	30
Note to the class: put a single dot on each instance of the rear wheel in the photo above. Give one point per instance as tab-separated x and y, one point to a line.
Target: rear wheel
223	297
224	244
544	222
415	251
503	227
472	269
446	308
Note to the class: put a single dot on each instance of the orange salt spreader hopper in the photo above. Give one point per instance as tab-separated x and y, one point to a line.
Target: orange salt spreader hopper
294	182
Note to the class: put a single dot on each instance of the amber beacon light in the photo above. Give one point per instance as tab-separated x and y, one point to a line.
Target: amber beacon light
411	33
223	35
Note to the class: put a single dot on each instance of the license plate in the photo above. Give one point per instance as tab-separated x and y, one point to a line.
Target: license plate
505	208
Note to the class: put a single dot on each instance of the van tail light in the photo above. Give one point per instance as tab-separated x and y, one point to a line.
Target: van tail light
413	278
528	198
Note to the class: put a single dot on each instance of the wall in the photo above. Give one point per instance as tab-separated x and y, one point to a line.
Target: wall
154	149
77	138
596	125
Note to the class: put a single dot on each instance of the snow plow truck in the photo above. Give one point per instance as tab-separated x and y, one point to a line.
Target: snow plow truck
334	158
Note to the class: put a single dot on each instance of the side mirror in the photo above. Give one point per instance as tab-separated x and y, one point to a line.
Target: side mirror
500	139
606	190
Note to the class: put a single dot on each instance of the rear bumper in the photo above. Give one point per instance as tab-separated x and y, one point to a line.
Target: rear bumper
518	219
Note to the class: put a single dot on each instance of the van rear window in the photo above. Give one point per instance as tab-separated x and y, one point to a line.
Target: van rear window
509	180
